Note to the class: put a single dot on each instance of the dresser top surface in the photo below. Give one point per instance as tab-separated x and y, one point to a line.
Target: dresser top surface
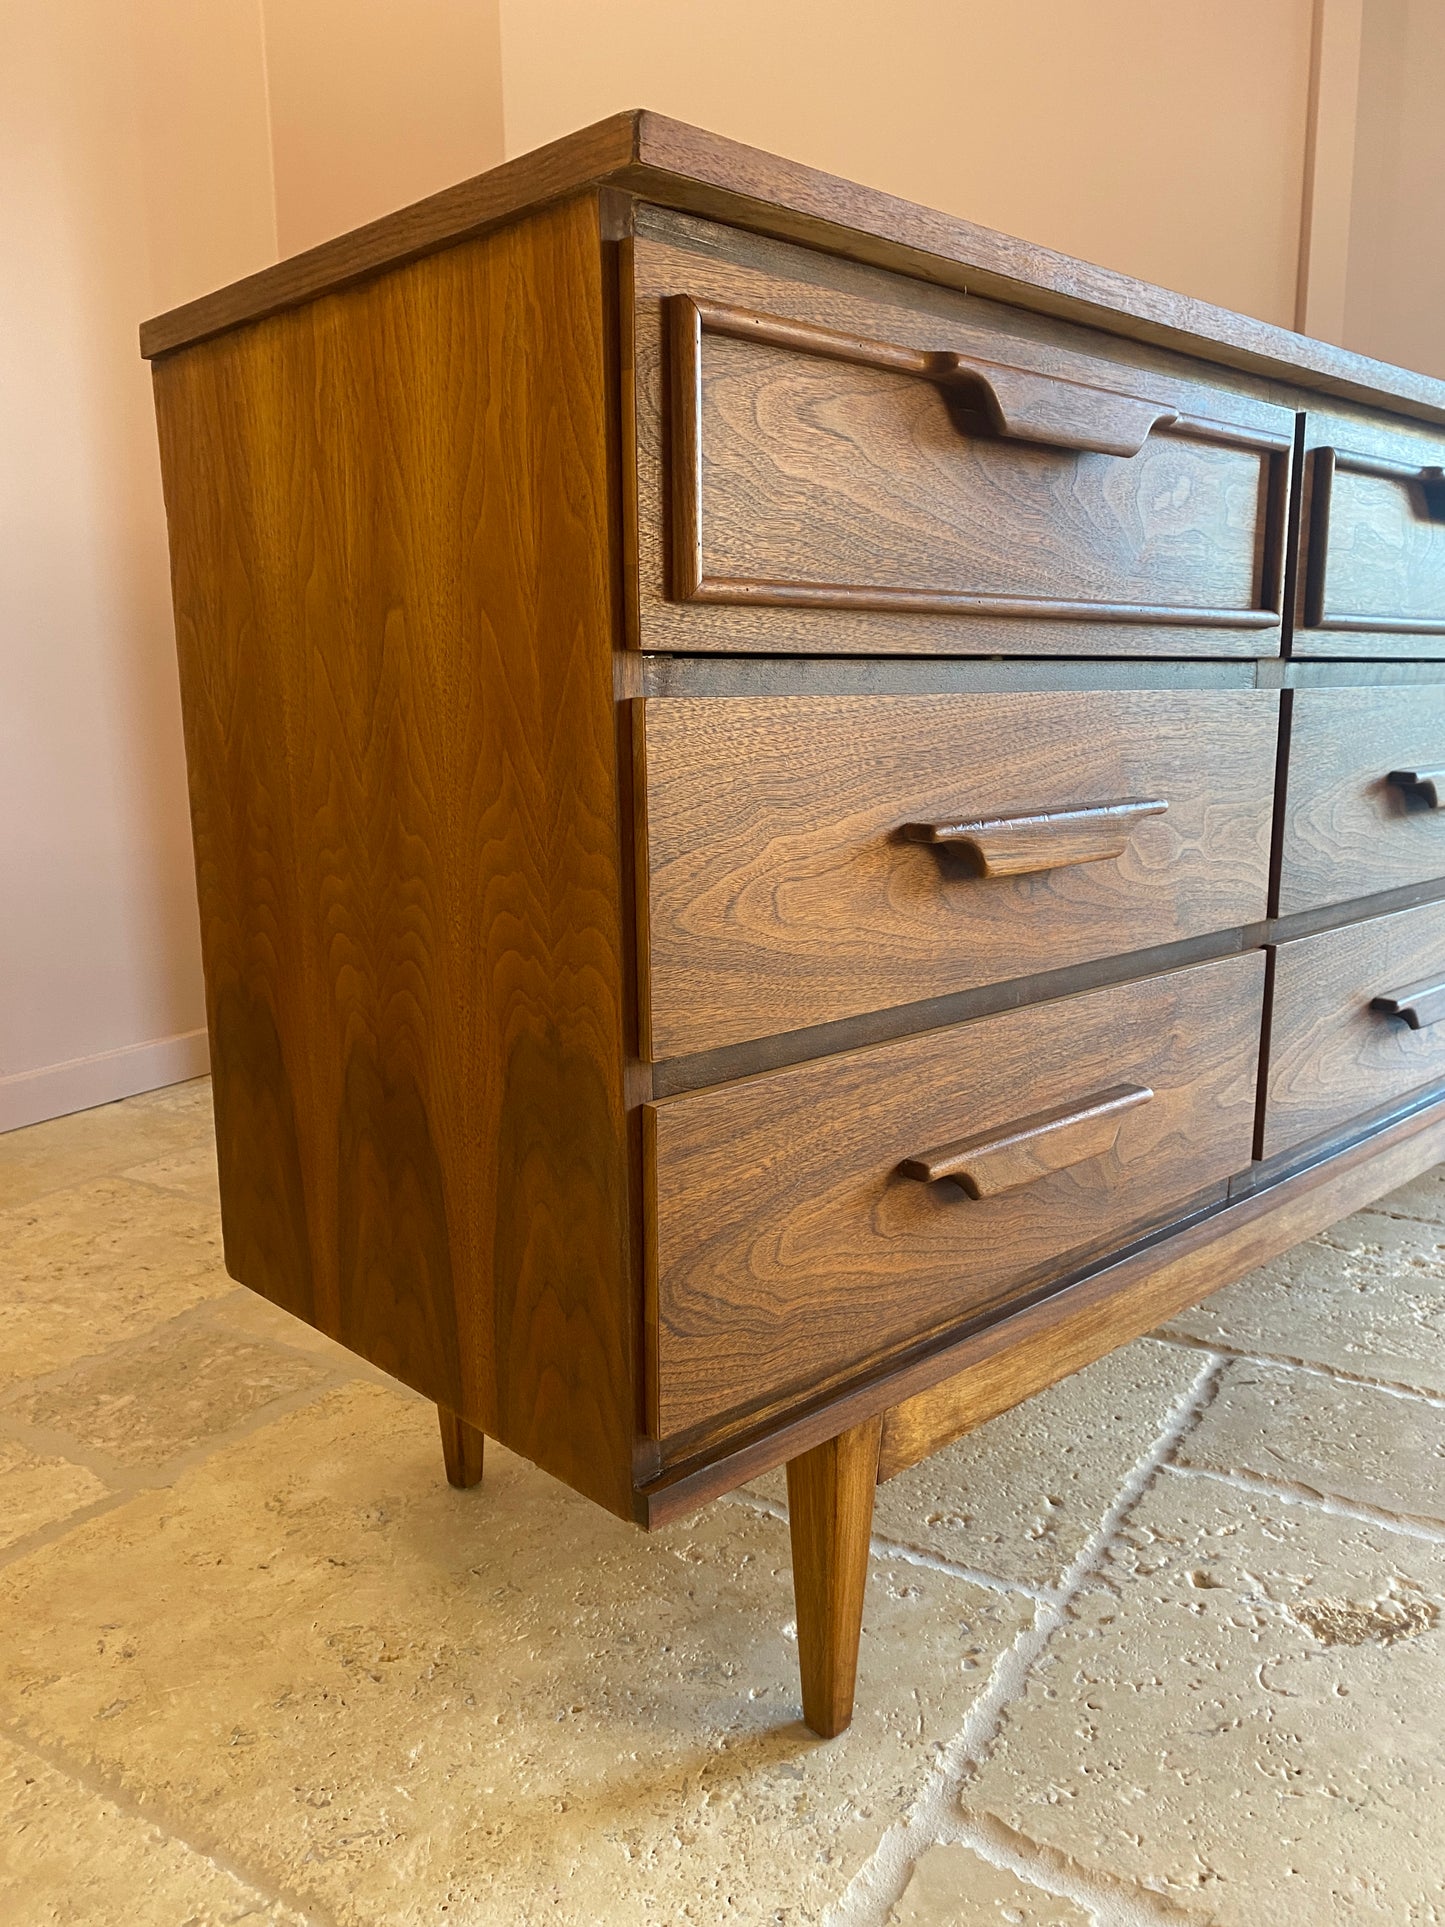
674	165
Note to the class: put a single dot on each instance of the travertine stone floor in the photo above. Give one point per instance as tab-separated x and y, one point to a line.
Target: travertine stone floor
1167	1644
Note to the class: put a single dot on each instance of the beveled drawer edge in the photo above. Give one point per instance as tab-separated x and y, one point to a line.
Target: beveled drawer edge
1124	1297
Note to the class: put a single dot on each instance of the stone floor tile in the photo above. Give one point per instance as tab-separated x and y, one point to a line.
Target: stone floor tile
1423	1198
248	1315
401	1703
952	1886
66	1151
1367	1298
166	1393
71	1858
1336	1440
191	1170
37	1490
1019	1497
1246	1716
85	1268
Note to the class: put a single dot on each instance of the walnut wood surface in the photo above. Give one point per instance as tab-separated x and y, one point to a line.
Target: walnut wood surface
682	166
463	1450
1418	1006
1010	846
1026	1354
788	1248
1331	1055
1373	576
811	466
1348	828
992	1162
391	549
782	891
830	1520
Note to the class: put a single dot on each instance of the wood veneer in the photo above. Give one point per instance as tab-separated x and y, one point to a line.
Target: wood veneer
448	495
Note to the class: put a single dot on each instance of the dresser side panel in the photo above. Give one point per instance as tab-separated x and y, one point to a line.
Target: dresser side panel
393	560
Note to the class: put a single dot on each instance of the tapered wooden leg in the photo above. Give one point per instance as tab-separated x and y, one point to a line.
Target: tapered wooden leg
830	1516
462	1448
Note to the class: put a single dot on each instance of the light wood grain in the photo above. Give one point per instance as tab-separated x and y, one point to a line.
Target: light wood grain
789	1249
783	890
830	1518
1330	1054
391	543
1347	830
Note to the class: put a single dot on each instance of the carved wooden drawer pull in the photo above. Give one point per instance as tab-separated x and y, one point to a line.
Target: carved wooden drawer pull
1010	846
1421	785
1016	403
998	1161
1420	1005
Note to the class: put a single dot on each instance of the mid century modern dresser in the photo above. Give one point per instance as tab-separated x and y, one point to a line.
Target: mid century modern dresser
806	816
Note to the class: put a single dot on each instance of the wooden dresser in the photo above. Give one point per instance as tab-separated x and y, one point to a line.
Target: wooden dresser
806	816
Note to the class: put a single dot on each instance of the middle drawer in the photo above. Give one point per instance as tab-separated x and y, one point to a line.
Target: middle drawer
811	858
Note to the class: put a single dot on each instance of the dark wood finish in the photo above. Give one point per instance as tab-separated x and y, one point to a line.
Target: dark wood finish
680	166
1419	1006
1114	1303
395	597
463	1449
992	1162
782	889
826	468
1358	816
1087	1323
828	1256
1373	581
830	1519
1011	846
1332	1055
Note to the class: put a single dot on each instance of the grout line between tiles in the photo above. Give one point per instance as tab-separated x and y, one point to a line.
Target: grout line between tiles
877	1886
102	1788
1336	1374
1288	1492
881	1548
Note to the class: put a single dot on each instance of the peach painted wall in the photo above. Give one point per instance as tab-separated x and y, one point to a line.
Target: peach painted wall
124	191
1395	301
1164	138
375	103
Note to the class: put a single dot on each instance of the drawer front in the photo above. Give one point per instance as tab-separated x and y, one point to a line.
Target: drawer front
1374	575
789	1245
872	448
783	885
1334	1053
1362	810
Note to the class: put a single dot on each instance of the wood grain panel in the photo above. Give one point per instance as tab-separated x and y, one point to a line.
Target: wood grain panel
788	1246
1373	580
1010	1358
680	166
1347	831
783	890
826	478
1331	1055
394	591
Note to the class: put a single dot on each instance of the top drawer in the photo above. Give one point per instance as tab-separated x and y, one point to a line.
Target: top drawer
1374	577
832	459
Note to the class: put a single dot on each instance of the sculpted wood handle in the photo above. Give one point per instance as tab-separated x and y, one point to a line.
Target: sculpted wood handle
1429	480
1017	403
1420	785
1419	1005
999	1161
1008	846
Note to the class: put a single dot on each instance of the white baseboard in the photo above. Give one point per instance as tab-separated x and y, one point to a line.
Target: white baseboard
29	1097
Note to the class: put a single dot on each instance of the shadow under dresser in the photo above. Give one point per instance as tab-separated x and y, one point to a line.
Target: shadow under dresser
806	816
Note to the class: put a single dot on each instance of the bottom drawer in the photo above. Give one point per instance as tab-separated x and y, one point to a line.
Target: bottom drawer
1333	1052
810	1221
